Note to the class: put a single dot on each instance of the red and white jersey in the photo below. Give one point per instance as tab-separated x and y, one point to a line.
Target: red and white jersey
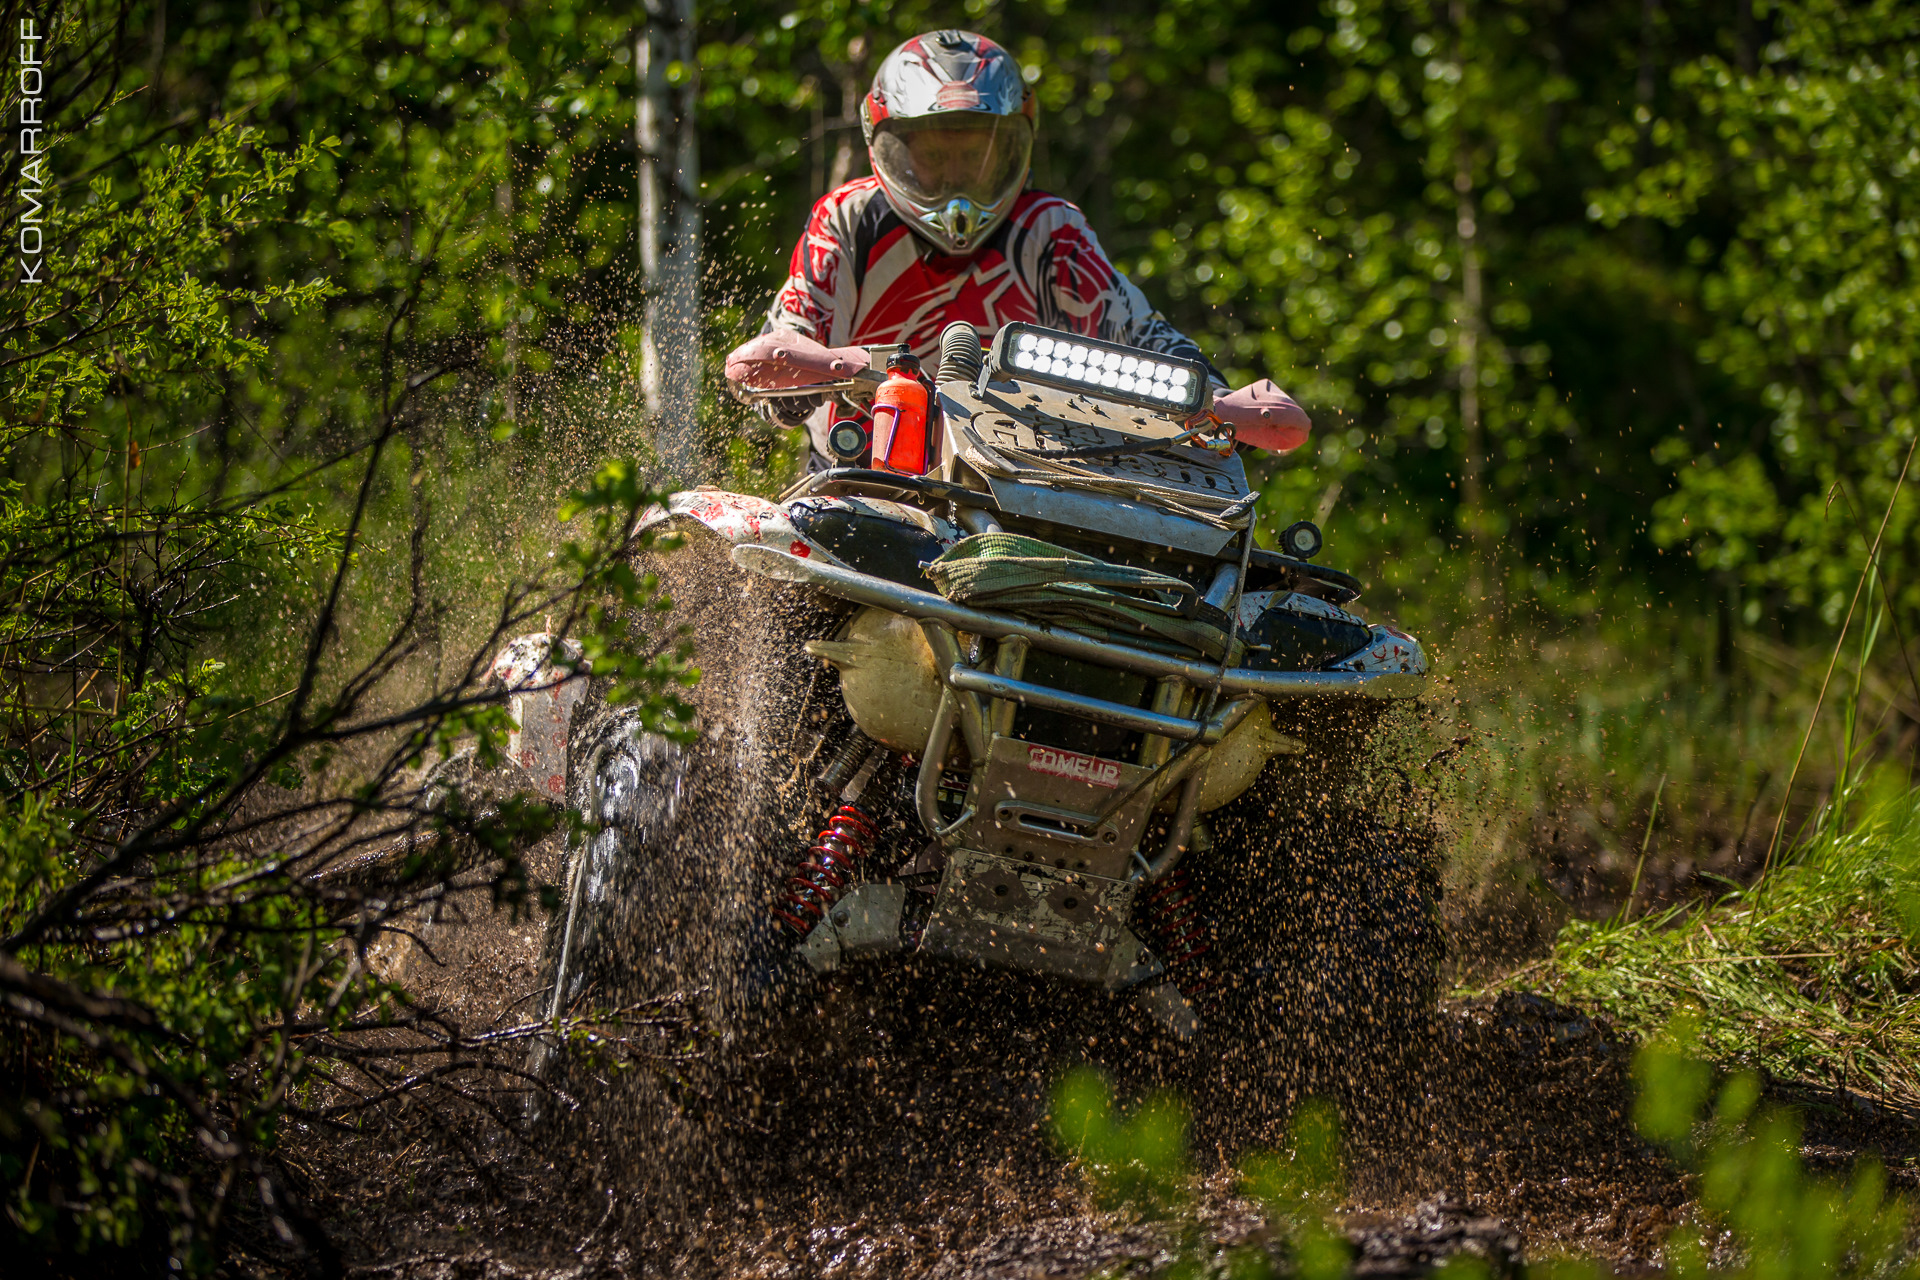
861	277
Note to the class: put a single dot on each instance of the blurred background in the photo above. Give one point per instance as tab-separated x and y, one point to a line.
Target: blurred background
1604	314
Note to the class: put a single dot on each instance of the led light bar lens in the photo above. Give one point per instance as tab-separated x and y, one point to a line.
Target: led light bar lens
1167	384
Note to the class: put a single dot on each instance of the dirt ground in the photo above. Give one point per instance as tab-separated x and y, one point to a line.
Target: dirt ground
909	1139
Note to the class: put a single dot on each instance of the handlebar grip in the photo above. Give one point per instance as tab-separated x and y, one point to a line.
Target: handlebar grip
783	359
1264	416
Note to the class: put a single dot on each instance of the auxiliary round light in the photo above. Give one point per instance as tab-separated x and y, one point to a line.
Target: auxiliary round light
1028	341
1045	346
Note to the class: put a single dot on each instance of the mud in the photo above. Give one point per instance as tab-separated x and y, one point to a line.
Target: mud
897	1127
900	1130
909	1139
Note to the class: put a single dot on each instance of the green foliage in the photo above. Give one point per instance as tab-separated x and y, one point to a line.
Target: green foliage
110	575
1137	1158
1809	146
1310	1173
1784	1222
1301	1188
1809	974
479	162
128	293
204	1056
1671	1084
617	596
195	859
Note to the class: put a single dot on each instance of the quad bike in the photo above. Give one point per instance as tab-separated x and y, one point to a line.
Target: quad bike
1044	707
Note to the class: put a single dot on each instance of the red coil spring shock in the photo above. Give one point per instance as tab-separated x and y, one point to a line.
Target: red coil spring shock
1182	936
817	883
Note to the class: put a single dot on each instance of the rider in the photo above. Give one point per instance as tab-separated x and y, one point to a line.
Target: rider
947	229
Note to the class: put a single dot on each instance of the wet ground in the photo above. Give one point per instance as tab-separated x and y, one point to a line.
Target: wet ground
908	1138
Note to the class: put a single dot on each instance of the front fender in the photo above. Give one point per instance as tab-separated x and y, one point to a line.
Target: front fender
747	521
740	518
1389	650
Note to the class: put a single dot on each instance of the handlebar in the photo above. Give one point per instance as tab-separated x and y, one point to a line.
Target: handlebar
786	365
754	395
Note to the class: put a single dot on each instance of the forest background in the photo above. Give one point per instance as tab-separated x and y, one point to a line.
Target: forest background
1605	314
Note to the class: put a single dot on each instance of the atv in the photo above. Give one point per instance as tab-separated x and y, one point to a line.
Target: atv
1044	707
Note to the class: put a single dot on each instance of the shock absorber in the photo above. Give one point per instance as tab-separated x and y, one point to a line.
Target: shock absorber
1181	935
817	883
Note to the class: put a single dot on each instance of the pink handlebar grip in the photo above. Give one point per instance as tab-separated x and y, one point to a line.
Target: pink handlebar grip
782	359
1264	416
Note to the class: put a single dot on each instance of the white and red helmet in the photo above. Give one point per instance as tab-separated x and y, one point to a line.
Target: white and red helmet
949	124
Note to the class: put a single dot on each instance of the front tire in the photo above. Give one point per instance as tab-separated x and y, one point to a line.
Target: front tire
667	893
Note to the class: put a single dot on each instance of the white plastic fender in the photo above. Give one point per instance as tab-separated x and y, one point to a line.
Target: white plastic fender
541	697
745	520
740	518
1389	650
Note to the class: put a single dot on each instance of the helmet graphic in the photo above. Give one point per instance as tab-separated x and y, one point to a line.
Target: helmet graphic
949	124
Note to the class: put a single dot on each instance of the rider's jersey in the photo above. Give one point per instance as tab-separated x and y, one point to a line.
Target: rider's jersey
861	277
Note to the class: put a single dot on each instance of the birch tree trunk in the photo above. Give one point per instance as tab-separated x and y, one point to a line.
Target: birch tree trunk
669	149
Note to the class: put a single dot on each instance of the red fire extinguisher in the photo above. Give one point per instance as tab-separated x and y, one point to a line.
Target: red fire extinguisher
900	417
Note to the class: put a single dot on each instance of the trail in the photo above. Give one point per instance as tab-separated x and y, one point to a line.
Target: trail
897	1126
909	1139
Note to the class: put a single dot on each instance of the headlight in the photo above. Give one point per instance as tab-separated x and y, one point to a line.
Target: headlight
1150	379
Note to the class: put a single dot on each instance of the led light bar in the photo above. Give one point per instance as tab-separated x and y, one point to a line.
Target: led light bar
1150	379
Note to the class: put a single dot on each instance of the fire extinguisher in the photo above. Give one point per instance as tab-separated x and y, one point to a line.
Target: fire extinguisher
900	412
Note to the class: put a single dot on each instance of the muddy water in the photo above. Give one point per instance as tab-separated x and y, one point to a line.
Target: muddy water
902	1132
895	1126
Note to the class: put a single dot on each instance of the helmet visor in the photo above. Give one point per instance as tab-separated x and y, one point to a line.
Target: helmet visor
933	159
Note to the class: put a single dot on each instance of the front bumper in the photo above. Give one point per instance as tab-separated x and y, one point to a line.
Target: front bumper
925	606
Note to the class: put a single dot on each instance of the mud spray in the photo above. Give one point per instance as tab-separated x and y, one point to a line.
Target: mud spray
892	1121
889	1121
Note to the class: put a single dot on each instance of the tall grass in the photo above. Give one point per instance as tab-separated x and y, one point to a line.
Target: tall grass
1547	746
1567	739
1813	973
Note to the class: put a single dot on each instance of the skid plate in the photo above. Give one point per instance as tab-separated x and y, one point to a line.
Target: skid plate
1036	919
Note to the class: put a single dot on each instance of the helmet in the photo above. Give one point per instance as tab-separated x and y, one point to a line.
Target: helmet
949	124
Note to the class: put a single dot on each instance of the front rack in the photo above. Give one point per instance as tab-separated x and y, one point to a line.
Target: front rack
872	483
